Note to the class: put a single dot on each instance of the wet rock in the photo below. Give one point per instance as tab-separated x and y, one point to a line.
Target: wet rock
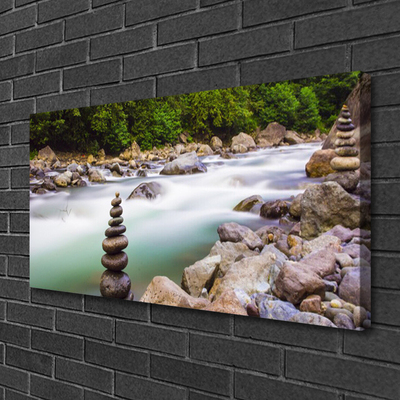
320	163
116	212
355	287
204	150
146	190
216	143
274	209
227	303
95	175
311	319
292	137
245	140
115	284
273	135
233	232
187	163
248	203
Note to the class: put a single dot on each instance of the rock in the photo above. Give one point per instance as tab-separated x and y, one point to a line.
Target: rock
227	303
274	209
252	310
270	233
276	309
62	180
204	150
233	232
295	229
162	290
95	175
47	154
48	184
355	287
191	147
91	159
115	262
248	203
331	312
200	275
320	243
311	304
183	137
130	153
142	173
357	251
344	260
345	163
359	316
320	163
116	168
292	137
282	245
101	154
366	324
249	274
146	191
115	284
311	319
187	163
245	140
272	135
347	151
295	207
325	206
344	234
72	167
335	303
360	262
295	282
114	245
116	211
115	230
348	180
321	262
239	149
343	321
216	143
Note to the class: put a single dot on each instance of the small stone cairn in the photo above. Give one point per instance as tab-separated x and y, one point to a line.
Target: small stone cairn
114	282
346	159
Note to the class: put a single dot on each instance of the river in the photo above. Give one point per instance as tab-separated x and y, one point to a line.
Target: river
165	235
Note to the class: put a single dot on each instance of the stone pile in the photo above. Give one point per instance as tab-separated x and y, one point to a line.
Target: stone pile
114	282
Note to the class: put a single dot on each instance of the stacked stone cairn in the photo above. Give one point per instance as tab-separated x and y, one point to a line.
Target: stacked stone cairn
346	151
114	282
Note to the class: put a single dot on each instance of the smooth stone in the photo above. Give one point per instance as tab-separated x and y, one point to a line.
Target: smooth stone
344	135
248	203
115	244
344	260
366	324
344	120
343	321
115	221
311	319
115	284
336	303
252	310
345	127
116	211
345	142
115	230
331	312
346	114
348	180
347	151
329	296
345	163
359	316
115	262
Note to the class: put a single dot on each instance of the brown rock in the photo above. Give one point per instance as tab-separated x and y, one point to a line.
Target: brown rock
115	262
320	163
273	134
115	230
114	245
115	284
227	303
311	304
233	232
355	287
322	262
274	209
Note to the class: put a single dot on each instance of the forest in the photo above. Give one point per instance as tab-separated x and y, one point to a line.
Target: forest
302	105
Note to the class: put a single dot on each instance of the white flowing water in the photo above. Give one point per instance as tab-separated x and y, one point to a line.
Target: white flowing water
165	235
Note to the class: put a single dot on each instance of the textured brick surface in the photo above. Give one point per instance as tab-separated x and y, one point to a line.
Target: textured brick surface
29	360
53	9
17	20
31	315
40	37
16	66
50	389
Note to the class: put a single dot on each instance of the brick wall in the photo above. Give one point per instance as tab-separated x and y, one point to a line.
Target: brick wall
57	54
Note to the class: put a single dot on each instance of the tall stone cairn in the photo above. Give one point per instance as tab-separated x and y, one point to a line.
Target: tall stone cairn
346	151
114	282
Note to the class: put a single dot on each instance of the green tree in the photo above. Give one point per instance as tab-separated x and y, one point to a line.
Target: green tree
307	116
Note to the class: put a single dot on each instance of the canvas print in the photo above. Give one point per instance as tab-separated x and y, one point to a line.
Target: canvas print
251	200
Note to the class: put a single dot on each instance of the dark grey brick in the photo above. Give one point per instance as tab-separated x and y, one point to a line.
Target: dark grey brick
376	55
89	395
235	353
5	91
103	20
370	378
176	58
384	125
37	85
385	271
19	245
17	66
63	101
4	179
361	2
19	222
199	24
245	44
384	198
6	5
3	264
83	374
296	66
16	111
56	343
85	325
313	337
117	308
54	9
151	337
13	395
14	378
386	90
31	315
251	387
386	234
15	334
2	310
20	135
99	3
13	156
57	299
93	74
353	24
50	389
29	360
378	344
62	56
4	137
260	11
117	358
382	307
19	3
190	82
19	198
134	388
191	374
11	288
6	46
39	37
205	3
128	92
192	319
4	222
146	10
18	266
124	42
17	20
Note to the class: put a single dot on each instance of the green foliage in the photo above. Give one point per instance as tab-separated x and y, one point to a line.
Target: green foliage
307	115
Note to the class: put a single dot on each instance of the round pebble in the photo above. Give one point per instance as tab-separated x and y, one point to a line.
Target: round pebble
346	114
345	163
116	202
344	135
359	316
345	142
343	321
345	128
116	211
115	262
366	324
114	245
346	151
115	230
345	121
115	284
115	221
336	304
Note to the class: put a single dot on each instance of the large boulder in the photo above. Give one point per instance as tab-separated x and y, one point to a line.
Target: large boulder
273	135
322	262
245	140
355	287
248	203
146	191
348	180
295	207
233	232
200	275
292	137
162	290
204	150
62	180
320	163
131	152
187	163
216	143
326	205
47	154
227	303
